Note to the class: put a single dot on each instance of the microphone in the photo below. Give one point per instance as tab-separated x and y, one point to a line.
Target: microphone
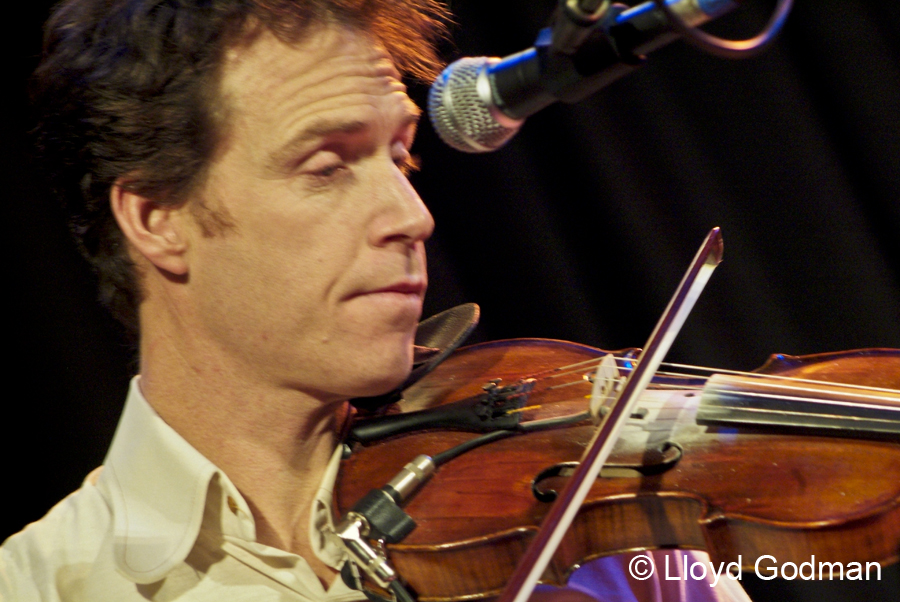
478	103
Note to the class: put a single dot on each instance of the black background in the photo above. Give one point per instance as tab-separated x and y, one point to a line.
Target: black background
579	229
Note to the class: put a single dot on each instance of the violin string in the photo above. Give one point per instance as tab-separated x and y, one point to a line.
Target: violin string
679	386
828	402
628	363
569	419
887	422
676	386
569	384
578	368
788	379
550	423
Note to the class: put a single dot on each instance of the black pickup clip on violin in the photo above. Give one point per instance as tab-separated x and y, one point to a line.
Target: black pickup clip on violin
378	519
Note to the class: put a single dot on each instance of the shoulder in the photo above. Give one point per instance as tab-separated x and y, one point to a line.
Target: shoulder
59	549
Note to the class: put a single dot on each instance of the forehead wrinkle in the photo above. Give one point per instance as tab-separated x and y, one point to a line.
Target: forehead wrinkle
296	99
351	77
323	127
267	71
365	57
285	91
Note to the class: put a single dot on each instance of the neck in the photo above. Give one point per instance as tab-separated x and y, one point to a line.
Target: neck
274	442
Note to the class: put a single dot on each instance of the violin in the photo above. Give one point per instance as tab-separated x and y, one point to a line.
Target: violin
787	461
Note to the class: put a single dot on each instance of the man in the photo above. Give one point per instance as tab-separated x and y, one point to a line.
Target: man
241	191
235	171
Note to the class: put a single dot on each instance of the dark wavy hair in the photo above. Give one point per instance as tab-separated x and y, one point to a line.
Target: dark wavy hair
126	90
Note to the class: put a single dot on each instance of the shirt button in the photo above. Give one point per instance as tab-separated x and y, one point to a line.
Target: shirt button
232	505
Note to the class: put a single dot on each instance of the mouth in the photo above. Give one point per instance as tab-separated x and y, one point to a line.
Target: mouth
407	286
384	313
408	290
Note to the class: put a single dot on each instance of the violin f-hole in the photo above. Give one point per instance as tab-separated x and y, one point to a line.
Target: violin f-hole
655	461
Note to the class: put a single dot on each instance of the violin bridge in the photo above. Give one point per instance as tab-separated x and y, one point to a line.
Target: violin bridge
606	385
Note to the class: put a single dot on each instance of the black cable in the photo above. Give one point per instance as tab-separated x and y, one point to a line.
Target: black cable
730	49
527	427
445	456
401	594
552	423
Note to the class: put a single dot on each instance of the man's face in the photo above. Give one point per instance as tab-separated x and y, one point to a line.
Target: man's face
318	283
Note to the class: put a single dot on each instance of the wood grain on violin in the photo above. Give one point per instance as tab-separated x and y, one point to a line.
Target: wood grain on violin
734	491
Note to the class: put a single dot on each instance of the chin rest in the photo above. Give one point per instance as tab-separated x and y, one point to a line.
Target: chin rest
436	338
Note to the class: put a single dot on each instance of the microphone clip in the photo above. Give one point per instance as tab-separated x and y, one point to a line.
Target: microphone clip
574	22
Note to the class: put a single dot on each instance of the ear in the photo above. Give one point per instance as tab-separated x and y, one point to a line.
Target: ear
154	230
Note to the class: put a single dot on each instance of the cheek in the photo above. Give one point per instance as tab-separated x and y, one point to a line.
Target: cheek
288	279
289	257
283	244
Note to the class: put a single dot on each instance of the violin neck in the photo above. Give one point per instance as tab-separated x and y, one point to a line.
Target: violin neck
762	402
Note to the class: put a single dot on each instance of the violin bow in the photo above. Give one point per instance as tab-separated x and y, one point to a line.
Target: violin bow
563	511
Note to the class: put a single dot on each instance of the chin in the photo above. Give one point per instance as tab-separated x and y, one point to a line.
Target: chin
386	382
380	372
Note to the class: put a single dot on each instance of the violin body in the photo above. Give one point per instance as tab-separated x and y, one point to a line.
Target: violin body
738	493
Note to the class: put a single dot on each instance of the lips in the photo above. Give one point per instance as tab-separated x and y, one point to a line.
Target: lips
412	287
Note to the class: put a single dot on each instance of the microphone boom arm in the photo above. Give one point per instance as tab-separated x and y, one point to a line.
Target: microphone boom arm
478	104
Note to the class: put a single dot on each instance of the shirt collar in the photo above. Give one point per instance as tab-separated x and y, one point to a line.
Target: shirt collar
157	484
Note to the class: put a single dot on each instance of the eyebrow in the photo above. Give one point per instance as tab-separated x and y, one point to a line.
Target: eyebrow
325	128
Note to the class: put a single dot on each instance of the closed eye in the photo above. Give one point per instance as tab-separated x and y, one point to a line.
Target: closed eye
327	172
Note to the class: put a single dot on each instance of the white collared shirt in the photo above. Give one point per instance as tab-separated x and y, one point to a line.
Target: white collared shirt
159	521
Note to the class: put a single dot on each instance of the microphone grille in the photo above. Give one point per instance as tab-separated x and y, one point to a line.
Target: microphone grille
462	110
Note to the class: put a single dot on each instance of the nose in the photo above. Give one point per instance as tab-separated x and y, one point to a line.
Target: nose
402	216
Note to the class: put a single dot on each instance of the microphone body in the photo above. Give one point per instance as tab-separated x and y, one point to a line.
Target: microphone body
478	103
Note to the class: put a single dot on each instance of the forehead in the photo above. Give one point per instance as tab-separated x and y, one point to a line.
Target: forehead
332	72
